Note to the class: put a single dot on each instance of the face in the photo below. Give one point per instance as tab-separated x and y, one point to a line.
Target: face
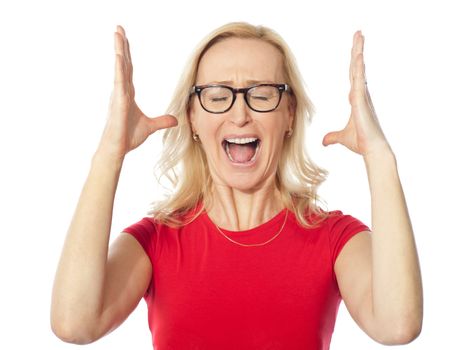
242	63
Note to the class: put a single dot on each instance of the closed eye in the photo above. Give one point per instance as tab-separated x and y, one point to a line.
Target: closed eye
262	98
218	99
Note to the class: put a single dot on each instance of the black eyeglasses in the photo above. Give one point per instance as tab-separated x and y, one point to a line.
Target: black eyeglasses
220	98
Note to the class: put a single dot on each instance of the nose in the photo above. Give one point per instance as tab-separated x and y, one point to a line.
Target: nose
240	113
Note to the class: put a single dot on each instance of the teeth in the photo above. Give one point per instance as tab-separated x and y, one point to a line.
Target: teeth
242	141
227	149
255	154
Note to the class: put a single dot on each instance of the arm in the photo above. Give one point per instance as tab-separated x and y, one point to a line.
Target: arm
378	274
95	289
91	295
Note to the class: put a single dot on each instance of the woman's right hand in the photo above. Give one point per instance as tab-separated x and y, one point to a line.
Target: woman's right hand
127	127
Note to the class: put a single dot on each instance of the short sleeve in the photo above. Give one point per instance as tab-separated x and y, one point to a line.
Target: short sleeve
341	229
144	232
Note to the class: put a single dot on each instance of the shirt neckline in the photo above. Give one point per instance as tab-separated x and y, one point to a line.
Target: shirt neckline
268	227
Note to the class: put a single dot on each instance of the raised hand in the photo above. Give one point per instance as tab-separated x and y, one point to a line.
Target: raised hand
127	126
362	134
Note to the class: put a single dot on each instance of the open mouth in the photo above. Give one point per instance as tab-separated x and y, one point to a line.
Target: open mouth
241	150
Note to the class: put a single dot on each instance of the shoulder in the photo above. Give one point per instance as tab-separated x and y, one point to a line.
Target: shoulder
323	219
341	228
160	222
146	225
177	217
338	221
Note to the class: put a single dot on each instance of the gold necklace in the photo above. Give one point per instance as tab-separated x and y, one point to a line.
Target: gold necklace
257	244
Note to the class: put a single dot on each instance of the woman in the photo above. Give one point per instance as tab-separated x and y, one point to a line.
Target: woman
240	256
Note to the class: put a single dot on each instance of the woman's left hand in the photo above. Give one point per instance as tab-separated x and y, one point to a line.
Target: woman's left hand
362	134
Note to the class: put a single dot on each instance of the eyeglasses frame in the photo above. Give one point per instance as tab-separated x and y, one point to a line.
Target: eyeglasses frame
197	89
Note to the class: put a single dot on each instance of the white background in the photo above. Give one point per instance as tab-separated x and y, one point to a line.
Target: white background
56	74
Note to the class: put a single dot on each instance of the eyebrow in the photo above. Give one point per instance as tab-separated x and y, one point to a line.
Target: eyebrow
249	82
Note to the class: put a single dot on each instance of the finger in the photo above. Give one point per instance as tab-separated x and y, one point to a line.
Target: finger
120	29
129	57
118	67
118	70
359	43
331	138
119	43
125	42
359	84
124	65
122	44
359	79
126	54
162	122
352	56
357	48
361	47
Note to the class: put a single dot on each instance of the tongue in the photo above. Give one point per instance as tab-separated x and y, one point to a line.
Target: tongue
242	153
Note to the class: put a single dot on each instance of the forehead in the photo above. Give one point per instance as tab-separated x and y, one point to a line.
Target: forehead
240	61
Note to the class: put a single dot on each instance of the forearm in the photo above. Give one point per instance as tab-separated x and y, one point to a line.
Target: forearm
397	286
78	288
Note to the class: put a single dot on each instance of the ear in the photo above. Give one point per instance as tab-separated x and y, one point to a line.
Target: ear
191	116
291	110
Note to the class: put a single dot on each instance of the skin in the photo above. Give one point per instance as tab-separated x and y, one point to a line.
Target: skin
378	274
98	286
243	197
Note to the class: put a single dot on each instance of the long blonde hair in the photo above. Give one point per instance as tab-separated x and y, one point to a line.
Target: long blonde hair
183	161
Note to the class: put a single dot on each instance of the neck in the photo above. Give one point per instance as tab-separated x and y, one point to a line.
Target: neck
236	210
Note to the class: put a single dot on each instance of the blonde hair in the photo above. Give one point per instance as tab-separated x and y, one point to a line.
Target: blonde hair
183	161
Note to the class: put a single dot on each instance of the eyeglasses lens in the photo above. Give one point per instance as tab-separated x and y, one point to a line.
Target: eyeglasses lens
218	99
263	98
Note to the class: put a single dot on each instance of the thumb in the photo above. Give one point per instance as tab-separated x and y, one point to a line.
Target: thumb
331	138
162	122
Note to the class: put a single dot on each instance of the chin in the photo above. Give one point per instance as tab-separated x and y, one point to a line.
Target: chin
247	177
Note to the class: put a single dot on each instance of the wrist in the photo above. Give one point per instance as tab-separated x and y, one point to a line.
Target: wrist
379	154
107	159
380	161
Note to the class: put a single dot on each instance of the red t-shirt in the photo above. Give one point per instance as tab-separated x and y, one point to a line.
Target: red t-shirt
209	293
